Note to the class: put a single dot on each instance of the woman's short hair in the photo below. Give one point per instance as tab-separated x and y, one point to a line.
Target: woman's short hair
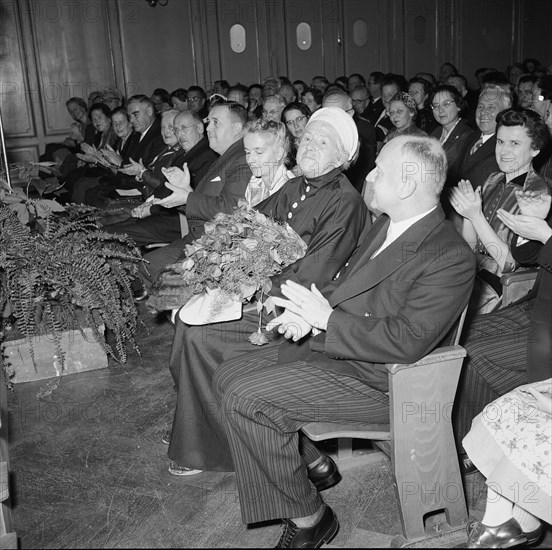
425	83
273	128
100	107
120	110
296	106
455	95
180	94
531	121
79	101
317	95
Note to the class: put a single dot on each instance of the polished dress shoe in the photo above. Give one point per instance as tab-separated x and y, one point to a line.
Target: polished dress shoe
325	474
323	531
505	535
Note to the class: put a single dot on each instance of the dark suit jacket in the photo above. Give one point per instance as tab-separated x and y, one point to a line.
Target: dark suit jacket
357	173
454	148
220	190
539	345
396	307
373	111
478	167
150	146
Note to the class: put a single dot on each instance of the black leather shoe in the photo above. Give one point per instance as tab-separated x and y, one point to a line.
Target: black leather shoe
325	474
310	537
505	535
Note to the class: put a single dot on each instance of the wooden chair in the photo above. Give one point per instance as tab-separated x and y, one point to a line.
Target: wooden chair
418	438
516	285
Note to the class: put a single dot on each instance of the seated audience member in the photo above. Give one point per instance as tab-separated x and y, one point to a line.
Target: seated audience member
428	77
221	87
375	107
288	93
354	81
271	86
82	130
402	113
390	86
295	116
161	100
357	172
90	164
512	346
446	70
146	144
325	210
519	476
151	223
520	136
94	97
218	191
300	88
478	161
320	83
255	94
362	322
115	156
420	90
196	98
239	94
453	133
530	64
113	98
525	91
542	104
361	98
273	106
460	82
514	73
312	98
179	99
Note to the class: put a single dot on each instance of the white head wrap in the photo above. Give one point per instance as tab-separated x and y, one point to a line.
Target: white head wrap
342	123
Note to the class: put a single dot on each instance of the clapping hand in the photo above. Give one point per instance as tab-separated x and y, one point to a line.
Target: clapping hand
142	210
133	169
465	200
310	305
178	181
112	156
533	203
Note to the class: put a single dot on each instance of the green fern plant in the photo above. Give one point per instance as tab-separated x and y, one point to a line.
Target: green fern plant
59	271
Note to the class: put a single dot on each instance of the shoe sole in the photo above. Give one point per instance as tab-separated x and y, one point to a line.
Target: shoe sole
330	534
184	472
328	482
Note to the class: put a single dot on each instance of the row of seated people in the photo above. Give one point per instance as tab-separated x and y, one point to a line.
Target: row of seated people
373	300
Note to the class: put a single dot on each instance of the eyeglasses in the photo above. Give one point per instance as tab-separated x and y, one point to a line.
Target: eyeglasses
178	129
193	99
296	121
357	101
446	104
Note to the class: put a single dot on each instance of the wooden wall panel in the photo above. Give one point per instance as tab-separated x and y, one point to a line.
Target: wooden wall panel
16	104
366	58
157	45
73	54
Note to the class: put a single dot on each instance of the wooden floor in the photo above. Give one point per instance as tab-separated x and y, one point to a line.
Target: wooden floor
90	470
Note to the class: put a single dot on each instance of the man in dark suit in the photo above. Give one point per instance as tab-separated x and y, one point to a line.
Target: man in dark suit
374	109
400	293
479	159
151	223
219	191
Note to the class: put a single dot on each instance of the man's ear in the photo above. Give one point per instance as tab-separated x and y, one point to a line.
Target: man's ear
407	187
150	110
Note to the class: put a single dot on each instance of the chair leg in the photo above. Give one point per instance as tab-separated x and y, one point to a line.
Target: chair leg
344	447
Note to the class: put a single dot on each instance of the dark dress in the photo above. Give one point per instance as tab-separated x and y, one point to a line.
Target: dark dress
329	215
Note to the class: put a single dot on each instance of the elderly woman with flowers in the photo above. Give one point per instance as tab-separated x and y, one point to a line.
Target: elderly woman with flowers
324	209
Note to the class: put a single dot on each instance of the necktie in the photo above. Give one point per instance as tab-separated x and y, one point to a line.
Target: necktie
476	145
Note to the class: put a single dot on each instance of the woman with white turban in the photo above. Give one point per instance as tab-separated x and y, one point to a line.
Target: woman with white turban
328	213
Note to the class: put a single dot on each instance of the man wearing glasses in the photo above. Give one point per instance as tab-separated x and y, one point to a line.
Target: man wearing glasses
196	99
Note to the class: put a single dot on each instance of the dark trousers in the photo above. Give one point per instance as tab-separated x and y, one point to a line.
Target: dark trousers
264	405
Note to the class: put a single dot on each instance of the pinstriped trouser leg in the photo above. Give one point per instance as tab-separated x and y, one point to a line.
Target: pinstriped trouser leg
264	405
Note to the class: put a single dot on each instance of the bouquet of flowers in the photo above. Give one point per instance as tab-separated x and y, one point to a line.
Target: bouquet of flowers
235	258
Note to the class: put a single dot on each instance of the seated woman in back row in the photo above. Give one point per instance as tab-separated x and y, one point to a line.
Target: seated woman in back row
521	134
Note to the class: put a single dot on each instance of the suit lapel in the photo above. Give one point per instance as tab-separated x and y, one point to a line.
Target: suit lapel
367	273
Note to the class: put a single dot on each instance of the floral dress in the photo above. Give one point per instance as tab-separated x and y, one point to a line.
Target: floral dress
510	442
